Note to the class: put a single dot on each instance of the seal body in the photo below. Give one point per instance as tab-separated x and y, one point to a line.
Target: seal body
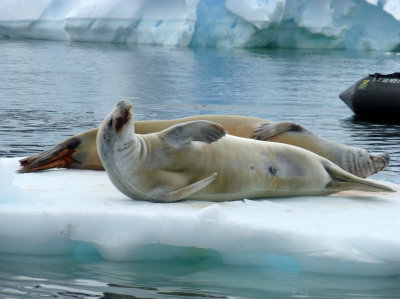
197	160
80	151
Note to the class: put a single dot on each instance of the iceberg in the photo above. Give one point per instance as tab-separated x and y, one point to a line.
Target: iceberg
80	213
307	24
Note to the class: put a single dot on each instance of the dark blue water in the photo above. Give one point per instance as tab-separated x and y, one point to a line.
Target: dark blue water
52	90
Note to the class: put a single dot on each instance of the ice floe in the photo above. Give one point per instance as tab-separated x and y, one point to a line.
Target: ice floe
79	213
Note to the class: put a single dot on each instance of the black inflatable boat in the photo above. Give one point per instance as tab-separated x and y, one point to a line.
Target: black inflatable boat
376	95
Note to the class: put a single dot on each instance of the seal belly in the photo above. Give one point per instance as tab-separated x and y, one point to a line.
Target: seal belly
254	169
240	167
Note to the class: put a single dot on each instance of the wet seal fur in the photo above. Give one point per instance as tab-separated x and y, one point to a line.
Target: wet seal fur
198	160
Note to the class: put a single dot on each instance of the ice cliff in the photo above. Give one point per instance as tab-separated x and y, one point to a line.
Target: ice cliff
317	24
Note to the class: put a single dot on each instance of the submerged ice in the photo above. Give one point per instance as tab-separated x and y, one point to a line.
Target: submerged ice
318	24
81	214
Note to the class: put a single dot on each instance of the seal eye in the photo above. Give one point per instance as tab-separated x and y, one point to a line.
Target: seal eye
273	170
110	123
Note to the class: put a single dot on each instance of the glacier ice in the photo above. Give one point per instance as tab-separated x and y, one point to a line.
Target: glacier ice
80	213
317	24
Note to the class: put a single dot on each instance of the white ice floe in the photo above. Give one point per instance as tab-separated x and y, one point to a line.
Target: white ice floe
317	24
77	212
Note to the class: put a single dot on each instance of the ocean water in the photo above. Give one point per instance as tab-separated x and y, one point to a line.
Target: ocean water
52	90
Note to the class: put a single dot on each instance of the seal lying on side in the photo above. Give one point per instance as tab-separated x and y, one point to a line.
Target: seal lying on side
197	160
80	151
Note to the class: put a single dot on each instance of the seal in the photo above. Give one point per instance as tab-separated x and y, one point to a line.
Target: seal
80	151
198	160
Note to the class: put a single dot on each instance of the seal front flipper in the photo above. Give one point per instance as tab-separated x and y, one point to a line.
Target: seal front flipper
183	134
182	193
269	130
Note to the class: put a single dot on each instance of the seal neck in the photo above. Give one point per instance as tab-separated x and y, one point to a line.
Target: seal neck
128	141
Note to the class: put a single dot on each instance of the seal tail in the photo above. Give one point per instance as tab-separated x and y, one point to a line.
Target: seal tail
342	180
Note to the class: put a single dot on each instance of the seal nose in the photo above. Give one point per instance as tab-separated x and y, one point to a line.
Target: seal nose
380	161
123	114
123	105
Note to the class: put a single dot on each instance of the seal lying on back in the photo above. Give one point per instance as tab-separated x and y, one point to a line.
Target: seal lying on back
197	160
80	151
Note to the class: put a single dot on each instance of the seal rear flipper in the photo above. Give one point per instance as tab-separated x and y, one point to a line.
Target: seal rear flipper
201	130
375	163
182	193
269	130
78	151
342	180
58	156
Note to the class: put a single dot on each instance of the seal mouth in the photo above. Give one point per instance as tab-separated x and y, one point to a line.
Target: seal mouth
124	109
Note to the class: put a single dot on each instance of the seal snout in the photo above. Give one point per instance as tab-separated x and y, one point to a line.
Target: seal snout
123	114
